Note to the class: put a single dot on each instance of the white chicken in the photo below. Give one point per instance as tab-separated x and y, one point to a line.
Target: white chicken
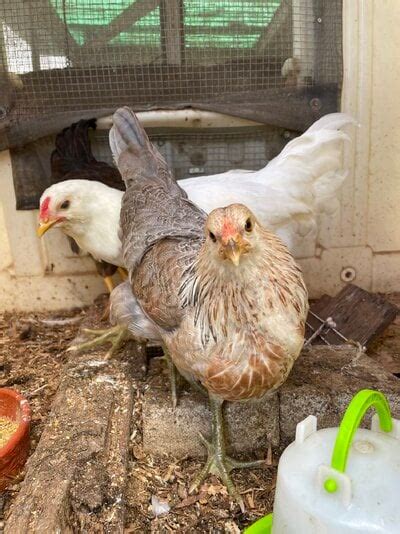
287	195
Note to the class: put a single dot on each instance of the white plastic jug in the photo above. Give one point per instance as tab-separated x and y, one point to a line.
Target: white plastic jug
340	481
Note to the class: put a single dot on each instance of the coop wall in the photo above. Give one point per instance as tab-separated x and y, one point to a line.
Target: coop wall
361	241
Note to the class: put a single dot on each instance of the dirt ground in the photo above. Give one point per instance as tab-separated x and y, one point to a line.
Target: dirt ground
31	358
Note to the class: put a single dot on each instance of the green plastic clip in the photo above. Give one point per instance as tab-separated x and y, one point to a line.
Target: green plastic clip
356	410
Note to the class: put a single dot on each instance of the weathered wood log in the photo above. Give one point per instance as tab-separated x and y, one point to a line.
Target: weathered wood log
75	480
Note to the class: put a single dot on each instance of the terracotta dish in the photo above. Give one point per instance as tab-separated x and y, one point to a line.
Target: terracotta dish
14	453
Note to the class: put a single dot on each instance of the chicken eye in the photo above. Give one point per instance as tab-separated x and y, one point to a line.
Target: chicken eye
249	225
65	205
212	237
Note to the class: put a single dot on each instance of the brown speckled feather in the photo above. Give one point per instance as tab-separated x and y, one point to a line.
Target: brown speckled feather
237	330
158	278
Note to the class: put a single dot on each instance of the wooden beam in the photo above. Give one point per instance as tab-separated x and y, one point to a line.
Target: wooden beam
272	33
76	478
121	23
45	23
172	31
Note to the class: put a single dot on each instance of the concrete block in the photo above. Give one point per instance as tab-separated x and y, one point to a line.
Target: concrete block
385	273
323	382
250	427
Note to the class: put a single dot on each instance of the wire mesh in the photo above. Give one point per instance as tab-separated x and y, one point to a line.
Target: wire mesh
65	56
197	153
188	154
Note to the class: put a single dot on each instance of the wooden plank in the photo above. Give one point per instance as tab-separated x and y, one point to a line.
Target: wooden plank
122	22
360	316
75	480
177	87
172	31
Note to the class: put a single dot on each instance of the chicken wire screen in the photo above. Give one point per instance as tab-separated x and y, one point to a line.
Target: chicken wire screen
62	59
188	153
199	153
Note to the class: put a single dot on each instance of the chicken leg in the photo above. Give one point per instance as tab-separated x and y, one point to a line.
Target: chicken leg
109	283
116	335
123	273
218	462
173	376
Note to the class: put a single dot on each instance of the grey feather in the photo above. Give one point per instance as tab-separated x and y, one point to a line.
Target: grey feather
154	207
125	310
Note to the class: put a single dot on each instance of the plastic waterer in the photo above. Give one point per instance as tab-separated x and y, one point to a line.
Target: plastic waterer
340	480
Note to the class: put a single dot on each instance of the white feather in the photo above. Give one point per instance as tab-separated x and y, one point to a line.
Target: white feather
287	196
92	218
290	193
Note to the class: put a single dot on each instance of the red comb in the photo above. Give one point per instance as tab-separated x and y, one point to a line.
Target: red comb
44	208
228	229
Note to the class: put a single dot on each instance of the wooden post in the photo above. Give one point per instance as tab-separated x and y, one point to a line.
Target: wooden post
172	31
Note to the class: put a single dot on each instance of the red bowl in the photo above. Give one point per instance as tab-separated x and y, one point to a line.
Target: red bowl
14	453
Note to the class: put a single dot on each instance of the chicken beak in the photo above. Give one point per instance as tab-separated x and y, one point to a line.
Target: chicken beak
44	226
232	251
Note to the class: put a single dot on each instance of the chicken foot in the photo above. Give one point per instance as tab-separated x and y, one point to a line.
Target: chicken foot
218	462
116	335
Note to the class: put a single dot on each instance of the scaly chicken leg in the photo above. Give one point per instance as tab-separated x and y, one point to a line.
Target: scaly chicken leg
108	281
123	273
173	377
116	335
218	462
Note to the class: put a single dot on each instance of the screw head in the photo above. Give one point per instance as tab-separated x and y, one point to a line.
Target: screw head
315	104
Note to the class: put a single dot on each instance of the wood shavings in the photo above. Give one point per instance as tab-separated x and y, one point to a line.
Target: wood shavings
34	362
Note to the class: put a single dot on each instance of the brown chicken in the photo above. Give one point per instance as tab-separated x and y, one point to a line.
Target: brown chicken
225	295
72	159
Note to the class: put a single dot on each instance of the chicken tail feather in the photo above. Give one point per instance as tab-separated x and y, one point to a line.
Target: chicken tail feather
127	133
132	150
309	173
73	150
125	310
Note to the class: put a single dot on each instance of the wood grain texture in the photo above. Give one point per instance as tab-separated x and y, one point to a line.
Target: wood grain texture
359	315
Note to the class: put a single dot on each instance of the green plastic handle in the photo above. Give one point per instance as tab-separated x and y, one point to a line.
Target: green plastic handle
365	399
262	526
